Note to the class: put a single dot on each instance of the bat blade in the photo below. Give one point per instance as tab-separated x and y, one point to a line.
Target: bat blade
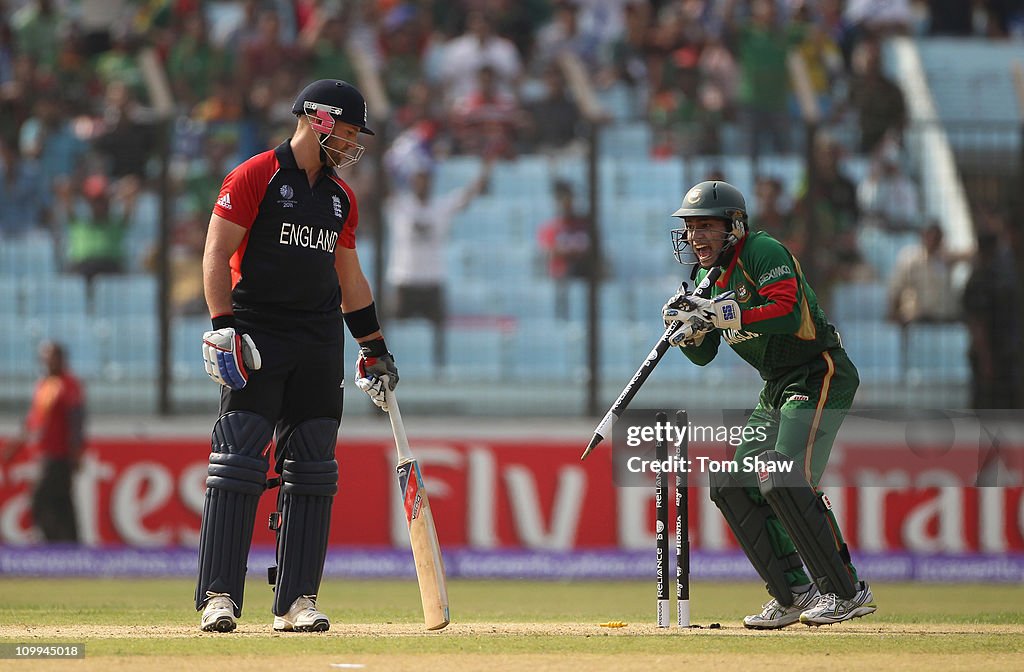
426	551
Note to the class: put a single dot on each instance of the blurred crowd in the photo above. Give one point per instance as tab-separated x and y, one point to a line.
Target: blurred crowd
81	98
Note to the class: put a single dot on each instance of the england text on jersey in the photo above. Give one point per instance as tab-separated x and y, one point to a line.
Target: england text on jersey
312	237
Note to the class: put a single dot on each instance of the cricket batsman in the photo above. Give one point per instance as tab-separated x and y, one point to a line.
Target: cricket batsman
764	309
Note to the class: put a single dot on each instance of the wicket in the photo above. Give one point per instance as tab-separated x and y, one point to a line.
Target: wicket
682	528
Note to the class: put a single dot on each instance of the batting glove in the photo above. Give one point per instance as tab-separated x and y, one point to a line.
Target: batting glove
690	334
376	371
723	311
229	357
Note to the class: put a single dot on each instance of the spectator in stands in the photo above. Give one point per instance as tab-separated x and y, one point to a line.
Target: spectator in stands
185	262
553	119
876	99
326	42
37	27
55	427
120	63
267	51
568	246
887	197
21	194
419	223
487	121
194	64
7	51
950	17
719	75
626	61
823	58
47	138
774	215
826	209
18	96
685	115
403	43
762	46
990	302
479	47
921	285
95	236
563	35
127	138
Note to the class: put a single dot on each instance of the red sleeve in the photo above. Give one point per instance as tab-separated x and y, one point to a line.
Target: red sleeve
72	392
348	231
781	297
243	189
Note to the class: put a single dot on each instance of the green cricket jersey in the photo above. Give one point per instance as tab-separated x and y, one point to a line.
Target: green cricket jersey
783	326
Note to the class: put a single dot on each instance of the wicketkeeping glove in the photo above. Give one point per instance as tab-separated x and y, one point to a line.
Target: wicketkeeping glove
723	311
229	357
376	371
690	334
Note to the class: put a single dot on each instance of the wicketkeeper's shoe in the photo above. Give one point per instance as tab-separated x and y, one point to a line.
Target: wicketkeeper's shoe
833	609
303	616
774	616
219	613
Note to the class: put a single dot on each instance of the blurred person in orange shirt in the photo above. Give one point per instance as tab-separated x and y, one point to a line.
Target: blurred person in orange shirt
55	428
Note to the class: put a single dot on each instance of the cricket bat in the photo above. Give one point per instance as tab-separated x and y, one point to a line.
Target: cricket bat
426	552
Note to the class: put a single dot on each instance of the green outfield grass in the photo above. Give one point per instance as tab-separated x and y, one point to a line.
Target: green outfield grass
150	624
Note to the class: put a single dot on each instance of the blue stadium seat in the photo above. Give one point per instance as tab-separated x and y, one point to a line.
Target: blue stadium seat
74	331
455	172
622	348
938	352
857	302
618	101
128	346
10	299
475	352
125	295
412	341
546	349
874	348
18	357
186	348
882	248
29	257
473	298
625	141
528	299
54	295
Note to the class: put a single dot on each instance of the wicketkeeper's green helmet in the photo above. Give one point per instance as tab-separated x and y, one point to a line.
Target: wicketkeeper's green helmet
711	199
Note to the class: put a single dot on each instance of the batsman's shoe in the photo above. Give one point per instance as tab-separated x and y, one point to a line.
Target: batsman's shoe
833	609
219	614
774	616
303	617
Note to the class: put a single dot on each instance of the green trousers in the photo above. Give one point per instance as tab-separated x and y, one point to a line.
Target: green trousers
799	415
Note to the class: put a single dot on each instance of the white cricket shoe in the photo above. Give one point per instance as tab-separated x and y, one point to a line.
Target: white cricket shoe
303	616
774	616
833	609
219	613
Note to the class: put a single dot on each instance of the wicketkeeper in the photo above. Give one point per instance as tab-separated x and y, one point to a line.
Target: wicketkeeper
764	309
